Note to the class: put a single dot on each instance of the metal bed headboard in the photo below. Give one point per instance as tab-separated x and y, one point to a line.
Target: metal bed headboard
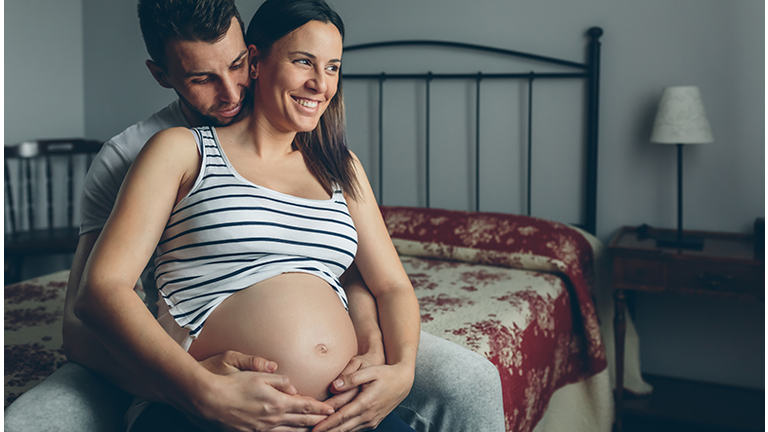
588	71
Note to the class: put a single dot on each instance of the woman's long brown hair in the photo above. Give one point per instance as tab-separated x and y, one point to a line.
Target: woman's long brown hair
324	148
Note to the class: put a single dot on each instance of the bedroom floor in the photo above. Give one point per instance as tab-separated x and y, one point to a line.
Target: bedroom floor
680	405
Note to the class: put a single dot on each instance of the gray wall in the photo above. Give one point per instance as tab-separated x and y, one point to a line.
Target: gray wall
714	44
43	69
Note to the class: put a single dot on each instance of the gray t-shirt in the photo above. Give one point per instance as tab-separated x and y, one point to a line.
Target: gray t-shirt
106	174
109	168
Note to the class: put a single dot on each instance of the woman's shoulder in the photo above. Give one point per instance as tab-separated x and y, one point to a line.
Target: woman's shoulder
176	145
176	139
173	135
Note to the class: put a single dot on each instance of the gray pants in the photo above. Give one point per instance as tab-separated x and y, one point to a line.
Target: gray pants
455	390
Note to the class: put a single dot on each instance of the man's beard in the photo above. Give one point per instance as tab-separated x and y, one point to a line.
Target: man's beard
209	120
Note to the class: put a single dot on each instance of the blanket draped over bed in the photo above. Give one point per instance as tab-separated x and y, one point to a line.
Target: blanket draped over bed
539	339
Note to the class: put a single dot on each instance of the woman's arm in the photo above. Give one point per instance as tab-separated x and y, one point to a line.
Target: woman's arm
163	172
105	302
384	275
383	387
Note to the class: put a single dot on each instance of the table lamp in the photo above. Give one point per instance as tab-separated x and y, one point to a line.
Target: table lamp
680	120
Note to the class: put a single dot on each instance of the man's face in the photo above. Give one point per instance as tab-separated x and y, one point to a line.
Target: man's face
211	79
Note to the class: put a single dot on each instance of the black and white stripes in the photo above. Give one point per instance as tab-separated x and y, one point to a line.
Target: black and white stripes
229	234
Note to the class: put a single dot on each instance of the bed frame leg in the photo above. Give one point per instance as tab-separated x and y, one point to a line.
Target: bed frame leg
619	329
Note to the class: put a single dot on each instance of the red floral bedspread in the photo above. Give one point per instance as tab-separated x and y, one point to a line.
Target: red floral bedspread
538	326
33	316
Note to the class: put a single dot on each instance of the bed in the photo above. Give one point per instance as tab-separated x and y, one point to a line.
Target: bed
526	289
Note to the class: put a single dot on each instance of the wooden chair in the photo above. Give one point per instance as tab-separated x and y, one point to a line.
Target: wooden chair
40	201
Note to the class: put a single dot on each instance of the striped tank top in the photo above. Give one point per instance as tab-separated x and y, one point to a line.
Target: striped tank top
228	234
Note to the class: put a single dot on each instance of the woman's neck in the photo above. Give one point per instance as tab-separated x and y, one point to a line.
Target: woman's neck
256	134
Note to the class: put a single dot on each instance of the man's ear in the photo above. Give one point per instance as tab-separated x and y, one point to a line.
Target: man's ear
158	73
253	61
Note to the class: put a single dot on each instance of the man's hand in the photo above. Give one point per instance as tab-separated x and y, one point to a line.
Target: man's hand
250	397
255	401
230	362
374	391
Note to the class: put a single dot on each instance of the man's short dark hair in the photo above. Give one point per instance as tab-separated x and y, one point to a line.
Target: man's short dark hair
163	21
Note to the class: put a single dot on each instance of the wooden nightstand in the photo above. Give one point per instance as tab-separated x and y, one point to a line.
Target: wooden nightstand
726	267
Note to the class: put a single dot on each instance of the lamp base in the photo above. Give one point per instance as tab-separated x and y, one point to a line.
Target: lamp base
670	240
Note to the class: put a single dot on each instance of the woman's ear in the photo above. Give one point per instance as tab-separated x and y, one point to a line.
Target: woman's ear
253	61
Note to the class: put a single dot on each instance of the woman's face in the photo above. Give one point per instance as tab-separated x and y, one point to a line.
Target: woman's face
299	77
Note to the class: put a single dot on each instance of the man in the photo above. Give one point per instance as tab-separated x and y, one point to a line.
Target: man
197	49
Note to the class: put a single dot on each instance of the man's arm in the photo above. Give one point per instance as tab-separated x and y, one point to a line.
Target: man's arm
80	345
365	317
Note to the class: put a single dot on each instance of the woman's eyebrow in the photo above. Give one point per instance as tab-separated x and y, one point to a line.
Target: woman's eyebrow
312	56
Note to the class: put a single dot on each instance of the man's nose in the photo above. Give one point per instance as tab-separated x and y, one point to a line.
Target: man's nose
229	90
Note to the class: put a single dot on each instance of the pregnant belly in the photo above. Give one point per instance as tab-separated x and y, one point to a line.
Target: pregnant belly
295	320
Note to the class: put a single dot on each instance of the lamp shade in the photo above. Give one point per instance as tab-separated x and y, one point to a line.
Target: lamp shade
681	118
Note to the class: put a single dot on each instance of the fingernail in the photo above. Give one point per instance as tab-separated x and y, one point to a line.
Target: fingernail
271	366
339	383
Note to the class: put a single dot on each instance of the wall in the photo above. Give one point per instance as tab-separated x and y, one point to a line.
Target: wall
120	90
43	69
716	45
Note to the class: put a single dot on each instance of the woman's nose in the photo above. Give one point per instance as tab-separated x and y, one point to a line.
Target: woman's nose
318	82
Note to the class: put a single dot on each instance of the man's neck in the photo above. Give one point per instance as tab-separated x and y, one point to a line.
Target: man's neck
193	118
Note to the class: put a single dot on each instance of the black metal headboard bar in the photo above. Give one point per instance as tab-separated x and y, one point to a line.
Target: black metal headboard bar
591	74
430	75
472	47
530	144
593	110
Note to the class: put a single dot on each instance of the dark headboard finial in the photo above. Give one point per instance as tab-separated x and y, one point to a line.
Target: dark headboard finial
595	32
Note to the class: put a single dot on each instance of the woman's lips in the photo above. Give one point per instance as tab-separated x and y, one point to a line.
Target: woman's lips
308	103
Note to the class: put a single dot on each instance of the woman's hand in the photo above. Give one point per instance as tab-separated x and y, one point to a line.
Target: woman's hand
343	397
376	391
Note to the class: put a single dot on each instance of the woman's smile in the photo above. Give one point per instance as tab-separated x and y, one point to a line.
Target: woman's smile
309	103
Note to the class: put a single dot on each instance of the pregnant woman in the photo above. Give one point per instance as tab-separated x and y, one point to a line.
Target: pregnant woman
253	225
